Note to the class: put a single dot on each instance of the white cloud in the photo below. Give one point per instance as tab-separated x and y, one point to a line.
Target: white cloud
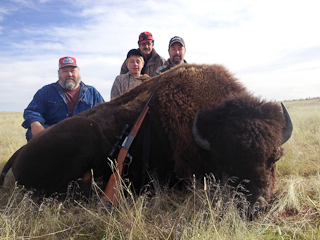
269	45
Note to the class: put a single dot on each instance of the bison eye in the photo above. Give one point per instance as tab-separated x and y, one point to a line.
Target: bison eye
277	159
276	155
279	153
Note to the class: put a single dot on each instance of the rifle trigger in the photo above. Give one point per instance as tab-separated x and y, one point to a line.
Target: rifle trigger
126	165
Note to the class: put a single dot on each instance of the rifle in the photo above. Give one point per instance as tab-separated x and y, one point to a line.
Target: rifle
111	192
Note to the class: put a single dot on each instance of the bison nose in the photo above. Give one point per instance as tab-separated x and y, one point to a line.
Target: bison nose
261	205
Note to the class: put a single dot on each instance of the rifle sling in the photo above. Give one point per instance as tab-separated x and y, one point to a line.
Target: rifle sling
146	150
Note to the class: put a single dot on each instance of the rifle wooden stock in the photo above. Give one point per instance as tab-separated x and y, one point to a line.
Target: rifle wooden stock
111	192
112	189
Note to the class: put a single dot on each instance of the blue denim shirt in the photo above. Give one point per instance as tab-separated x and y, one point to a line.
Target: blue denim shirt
49	105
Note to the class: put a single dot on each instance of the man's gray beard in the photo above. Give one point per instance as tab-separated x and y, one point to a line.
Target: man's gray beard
70	85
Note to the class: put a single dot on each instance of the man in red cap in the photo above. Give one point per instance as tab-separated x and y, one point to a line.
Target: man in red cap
62	99
152	60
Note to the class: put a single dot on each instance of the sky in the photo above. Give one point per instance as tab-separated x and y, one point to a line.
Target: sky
272	47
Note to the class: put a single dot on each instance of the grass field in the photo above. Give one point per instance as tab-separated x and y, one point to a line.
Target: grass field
198	214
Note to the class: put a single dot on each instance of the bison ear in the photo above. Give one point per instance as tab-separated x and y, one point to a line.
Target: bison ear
286	133
201	141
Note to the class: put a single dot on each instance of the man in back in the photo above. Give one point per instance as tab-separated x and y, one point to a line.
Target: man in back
152	60
60	100
177	50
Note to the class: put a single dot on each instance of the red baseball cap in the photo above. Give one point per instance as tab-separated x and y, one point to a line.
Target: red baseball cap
145	37
67	62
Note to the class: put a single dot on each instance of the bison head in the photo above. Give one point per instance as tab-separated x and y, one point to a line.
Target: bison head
244	137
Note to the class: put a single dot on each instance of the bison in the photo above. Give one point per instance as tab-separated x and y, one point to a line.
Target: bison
203	120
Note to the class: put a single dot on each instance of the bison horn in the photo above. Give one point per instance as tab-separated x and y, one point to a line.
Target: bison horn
286	134
202	142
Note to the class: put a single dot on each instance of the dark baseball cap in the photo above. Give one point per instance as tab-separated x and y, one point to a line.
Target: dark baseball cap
134	52
176	39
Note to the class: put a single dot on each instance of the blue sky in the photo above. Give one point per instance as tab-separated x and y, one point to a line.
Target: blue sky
272	47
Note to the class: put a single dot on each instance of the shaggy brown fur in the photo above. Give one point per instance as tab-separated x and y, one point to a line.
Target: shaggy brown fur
72	147
245	139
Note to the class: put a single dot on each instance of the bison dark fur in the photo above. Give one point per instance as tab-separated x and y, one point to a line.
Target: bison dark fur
244	135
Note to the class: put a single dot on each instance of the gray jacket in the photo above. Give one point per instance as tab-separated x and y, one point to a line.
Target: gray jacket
124	82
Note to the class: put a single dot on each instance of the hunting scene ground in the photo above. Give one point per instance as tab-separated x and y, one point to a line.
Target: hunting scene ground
208	210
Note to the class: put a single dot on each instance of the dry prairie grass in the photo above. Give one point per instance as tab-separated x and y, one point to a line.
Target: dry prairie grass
198	214
12	135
